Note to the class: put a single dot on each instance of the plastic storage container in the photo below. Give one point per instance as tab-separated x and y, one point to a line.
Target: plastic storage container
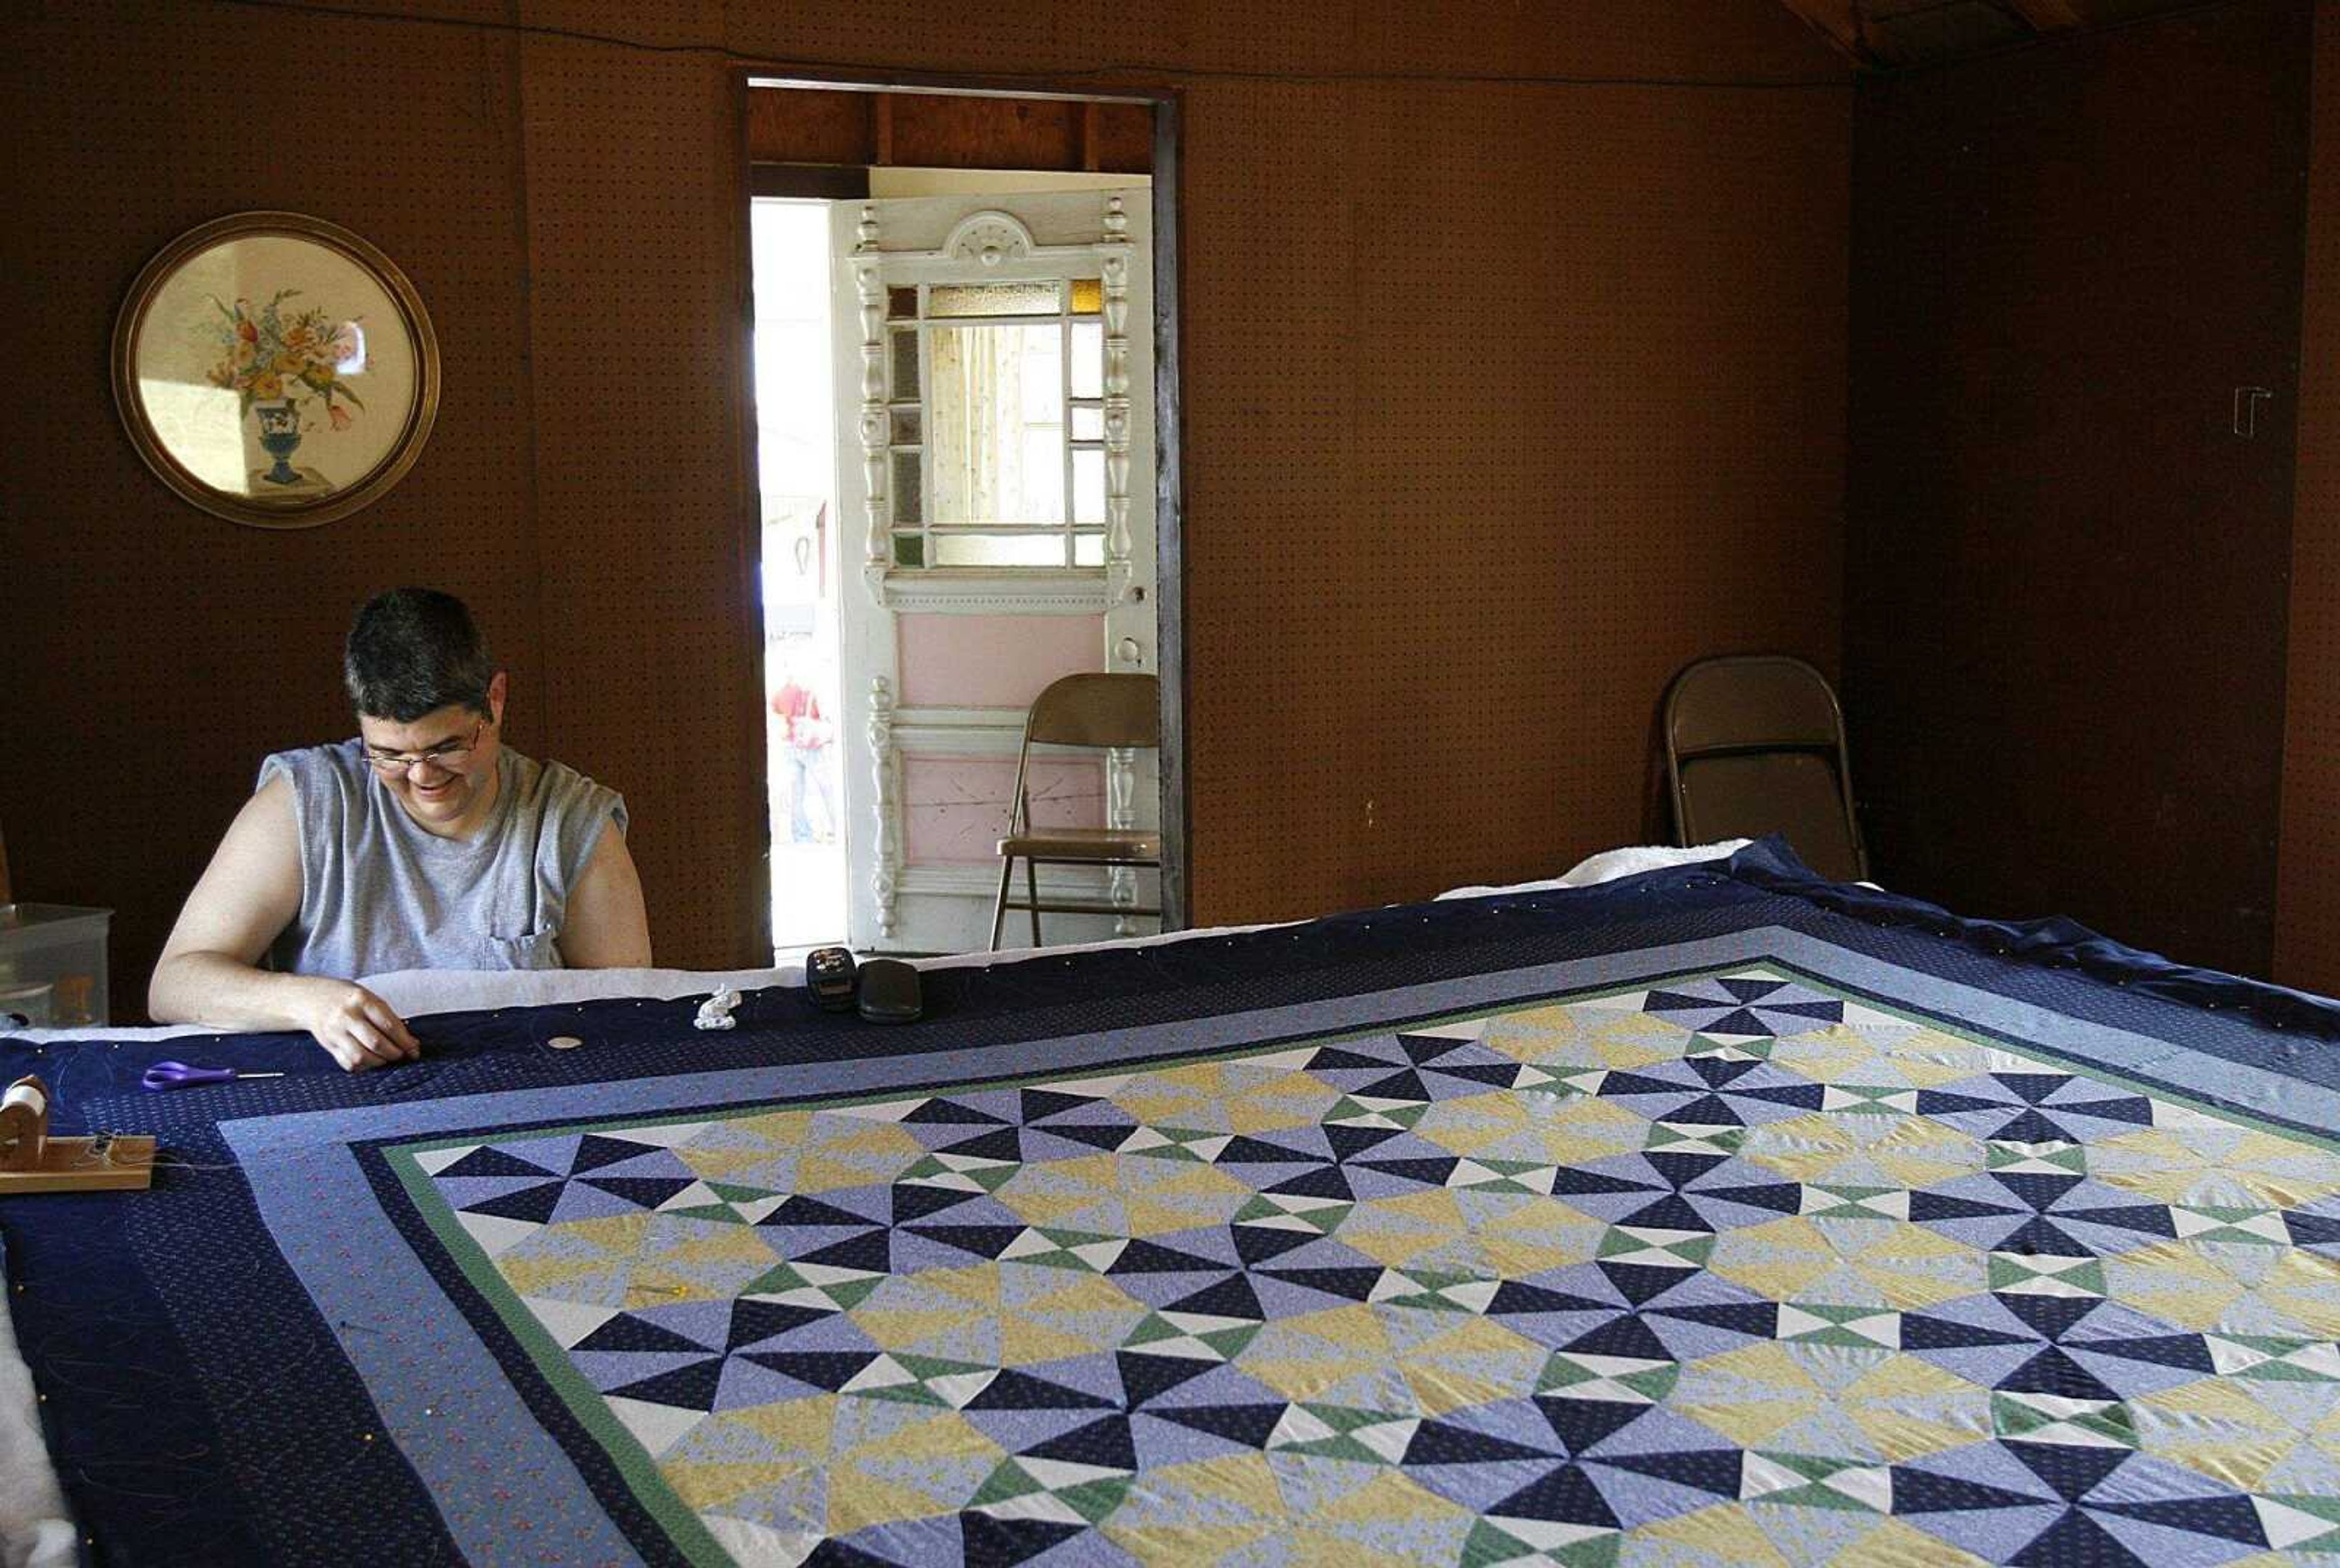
51	966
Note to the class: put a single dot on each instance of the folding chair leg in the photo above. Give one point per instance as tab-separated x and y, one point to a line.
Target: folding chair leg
1032	887
1000	907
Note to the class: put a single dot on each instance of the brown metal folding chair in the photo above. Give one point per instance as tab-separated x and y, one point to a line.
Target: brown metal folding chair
1755	745
1115	713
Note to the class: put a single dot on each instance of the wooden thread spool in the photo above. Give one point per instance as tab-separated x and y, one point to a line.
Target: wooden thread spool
31	1161
24	1124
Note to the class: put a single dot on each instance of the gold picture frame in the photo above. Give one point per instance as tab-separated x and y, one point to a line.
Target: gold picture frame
275	370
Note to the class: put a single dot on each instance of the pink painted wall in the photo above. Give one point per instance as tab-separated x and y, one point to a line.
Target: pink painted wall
993	661
957	806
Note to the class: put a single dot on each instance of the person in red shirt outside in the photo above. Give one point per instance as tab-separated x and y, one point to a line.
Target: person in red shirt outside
808	737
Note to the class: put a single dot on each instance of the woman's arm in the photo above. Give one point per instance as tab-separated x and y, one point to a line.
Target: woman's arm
608	926
209	972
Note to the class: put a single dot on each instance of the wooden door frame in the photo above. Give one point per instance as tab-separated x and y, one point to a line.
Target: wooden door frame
1169	488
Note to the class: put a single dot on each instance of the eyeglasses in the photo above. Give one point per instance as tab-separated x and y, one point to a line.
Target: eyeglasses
447	757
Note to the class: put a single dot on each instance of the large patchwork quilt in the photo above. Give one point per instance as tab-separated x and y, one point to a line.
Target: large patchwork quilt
1702	1219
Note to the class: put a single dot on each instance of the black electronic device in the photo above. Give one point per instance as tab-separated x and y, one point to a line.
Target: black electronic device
829	979
889	992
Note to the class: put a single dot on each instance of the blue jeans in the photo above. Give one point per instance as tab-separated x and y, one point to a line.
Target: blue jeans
806	774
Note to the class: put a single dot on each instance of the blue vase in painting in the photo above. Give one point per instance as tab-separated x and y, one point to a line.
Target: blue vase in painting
280	433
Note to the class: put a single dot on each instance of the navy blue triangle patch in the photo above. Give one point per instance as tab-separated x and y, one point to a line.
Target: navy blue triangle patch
981	1240
1578	1424
1037	1105
999	1143
1756	1319
594	1151
1348	1283
2071	1470
1671	1212
1015	1390
1518	1296
2049	1316
2073	1539
2147	1218
2041	1236
759	1320
1918	1490
872	1252
1229	1297
494	1162
2032	1089
1406	1085
917	1200
1430	1171
627	1332
1781	1198
1640	1282
1940	1103
798	1209
2186	1351
825	1369
1147	1378
1258	1243
1324	1181
2039	1190
2053	1372
2033	1128
1436	1442
1104	1442
1919	1332
990	1540
1349	1142
1714	1470
941	1111
1623	1336
2228	1516
642	1192
1245	1150
1249	1425
1708	1110
691	1388
533	1204
1563	1496
1678	1169
1143	1257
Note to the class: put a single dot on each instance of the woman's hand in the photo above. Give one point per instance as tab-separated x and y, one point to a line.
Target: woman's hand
356	1027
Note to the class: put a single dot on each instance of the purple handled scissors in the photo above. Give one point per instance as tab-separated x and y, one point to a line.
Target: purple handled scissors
179	1075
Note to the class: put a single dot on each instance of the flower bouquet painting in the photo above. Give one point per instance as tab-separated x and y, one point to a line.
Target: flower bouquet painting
281	363
275	370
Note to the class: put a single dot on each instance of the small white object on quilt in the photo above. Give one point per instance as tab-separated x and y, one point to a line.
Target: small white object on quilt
1611	864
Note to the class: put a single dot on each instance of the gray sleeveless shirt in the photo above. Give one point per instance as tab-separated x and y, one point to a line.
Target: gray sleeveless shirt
378	893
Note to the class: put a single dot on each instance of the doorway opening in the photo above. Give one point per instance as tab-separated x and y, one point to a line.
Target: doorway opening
796	476
944	522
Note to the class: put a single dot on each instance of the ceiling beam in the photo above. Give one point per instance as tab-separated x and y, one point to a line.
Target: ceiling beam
1839	23
2050	15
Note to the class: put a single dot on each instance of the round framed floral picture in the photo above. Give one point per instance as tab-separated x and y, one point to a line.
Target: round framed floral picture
275	370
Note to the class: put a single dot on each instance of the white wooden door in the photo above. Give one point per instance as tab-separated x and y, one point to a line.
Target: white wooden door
996	474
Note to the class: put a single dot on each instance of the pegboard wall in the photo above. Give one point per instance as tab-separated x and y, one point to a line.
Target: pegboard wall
2308	896
1503	398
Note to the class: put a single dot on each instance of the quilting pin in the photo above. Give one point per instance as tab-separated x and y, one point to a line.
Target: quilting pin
180	1075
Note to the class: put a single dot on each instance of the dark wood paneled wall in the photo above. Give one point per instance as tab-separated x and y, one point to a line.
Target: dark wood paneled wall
2307	902
2066	573
1514	378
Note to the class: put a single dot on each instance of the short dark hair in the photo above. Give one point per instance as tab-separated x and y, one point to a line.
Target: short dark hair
412	651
